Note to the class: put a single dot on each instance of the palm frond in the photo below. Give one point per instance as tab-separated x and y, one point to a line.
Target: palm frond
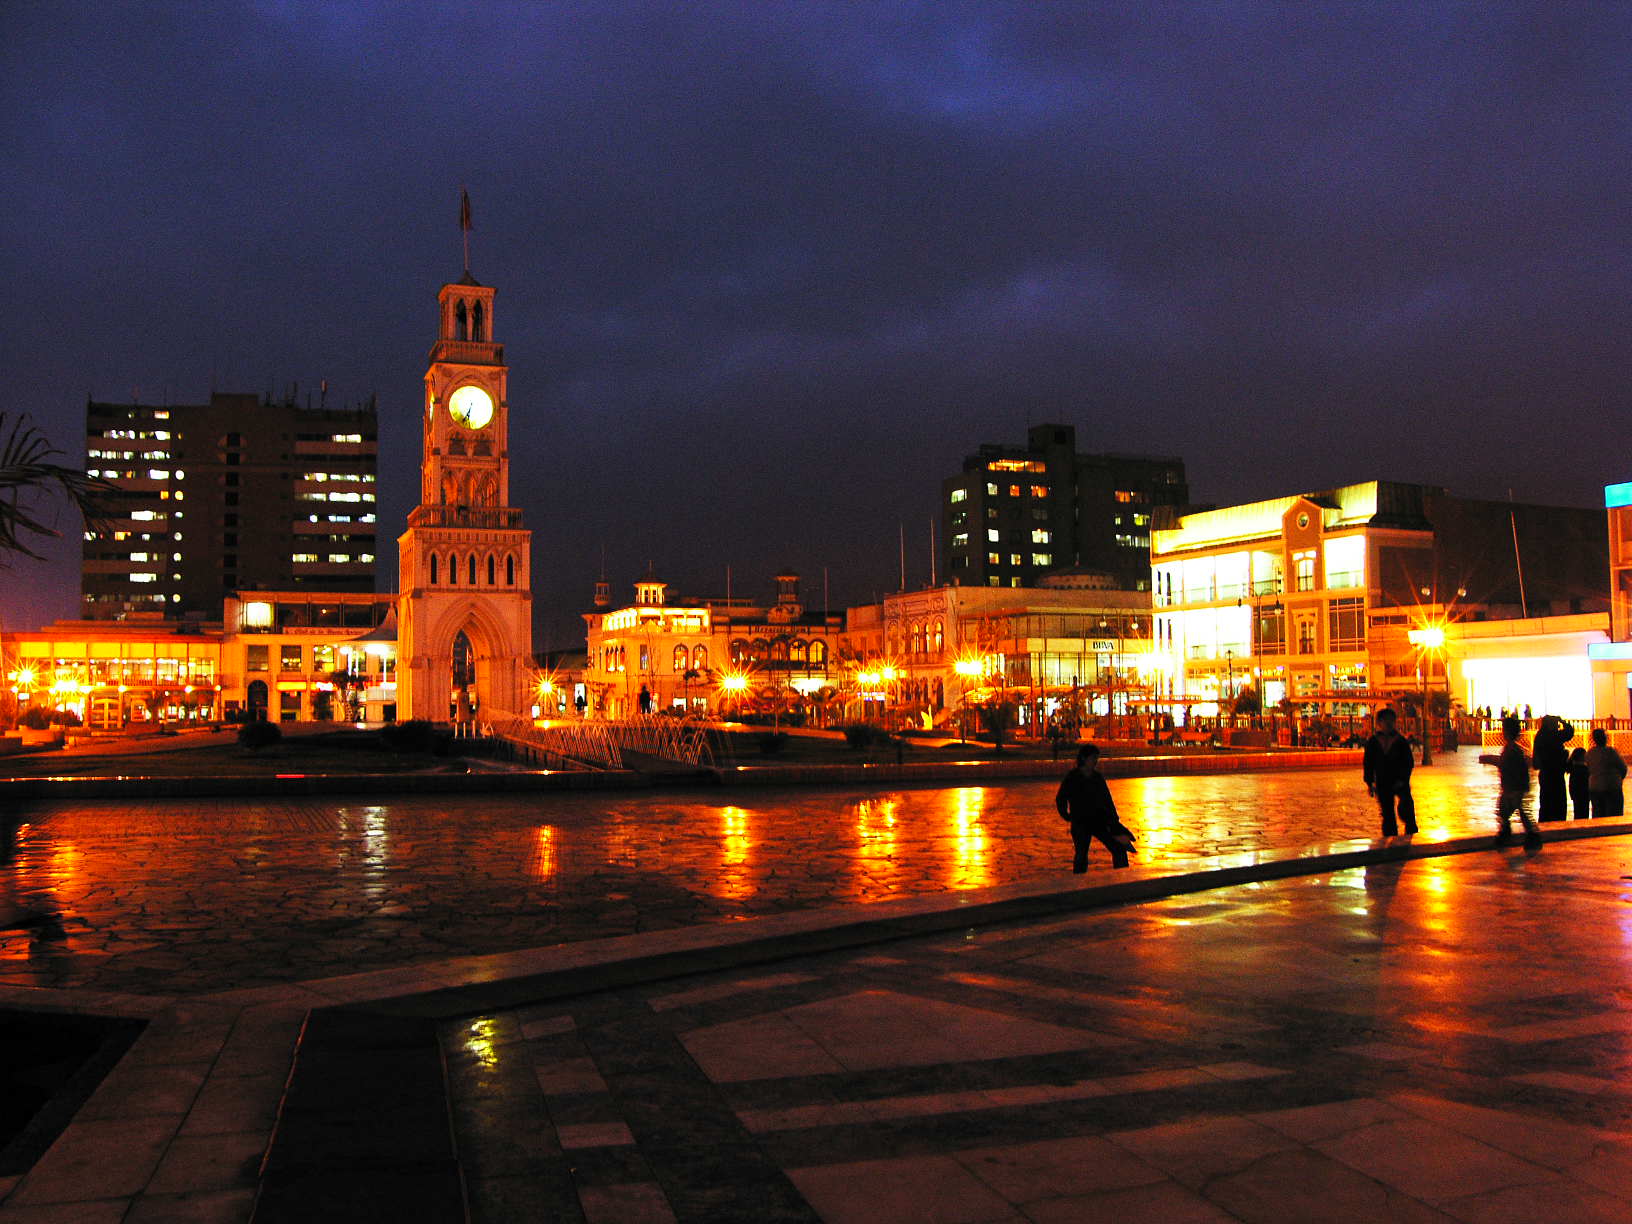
28	473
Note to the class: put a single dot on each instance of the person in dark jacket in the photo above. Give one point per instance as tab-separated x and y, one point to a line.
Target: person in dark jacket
1513	768
1085	800
1552	761
1579	775
1387	770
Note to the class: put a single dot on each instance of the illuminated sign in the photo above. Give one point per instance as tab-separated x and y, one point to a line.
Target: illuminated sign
1617	495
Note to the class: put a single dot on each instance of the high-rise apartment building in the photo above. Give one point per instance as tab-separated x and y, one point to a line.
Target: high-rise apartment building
240	493
1016	513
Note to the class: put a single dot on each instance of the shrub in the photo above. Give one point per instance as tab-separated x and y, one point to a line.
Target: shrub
66	718
259	734
864	735
35	719
415	735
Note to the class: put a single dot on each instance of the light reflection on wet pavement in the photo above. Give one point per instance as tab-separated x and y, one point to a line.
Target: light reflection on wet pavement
187	896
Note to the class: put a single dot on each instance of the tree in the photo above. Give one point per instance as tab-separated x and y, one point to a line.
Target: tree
996	716
27	473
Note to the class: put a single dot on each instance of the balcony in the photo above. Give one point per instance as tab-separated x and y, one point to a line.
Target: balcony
464	516
468	352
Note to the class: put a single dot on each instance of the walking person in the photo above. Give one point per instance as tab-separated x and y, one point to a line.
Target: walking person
1605	773
1552	761
1514	770
1578	776
1085	801
1386	768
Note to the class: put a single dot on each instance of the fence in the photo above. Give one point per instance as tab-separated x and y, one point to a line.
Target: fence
601	743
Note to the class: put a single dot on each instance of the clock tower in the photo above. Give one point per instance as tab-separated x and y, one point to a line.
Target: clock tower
465	561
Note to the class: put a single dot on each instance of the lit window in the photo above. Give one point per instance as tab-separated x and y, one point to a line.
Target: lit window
961	540
994	559
1042	558
992	536
1039	490
345	437
957	495
991	489
1038	536
144	577
1014	558
365	557
304	558
1125	496
157	474
338	558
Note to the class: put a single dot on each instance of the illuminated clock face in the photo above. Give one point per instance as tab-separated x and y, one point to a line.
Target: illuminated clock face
471	407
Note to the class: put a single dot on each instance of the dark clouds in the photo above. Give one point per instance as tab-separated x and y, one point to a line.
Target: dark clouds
768	271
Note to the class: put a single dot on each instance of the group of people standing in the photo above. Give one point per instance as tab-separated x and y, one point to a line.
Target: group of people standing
1591	777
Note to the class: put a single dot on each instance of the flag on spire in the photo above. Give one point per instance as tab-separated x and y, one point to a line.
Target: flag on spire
464	225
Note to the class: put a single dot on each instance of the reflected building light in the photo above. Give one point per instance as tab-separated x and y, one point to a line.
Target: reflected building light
480	1038
733	836
969	839
544	863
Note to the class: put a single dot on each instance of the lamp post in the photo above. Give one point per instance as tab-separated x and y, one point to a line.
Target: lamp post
966	668
1429	639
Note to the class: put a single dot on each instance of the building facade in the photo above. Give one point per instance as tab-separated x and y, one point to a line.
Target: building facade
282	656
1075	647
237	493
706	656
1312	599
465	614
1016	513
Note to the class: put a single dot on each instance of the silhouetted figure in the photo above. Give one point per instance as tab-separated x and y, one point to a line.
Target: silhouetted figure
1605	773
1514	770
1578	783
1085	801
1386	768
1552	761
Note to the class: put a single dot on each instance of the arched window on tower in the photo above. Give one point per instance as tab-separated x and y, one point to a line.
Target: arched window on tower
818	654
477	323
491	564
453	569
472	569
461	329
509	571
433	569
699	658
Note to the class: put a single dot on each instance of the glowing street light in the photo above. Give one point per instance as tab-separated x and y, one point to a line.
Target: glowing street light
1428	639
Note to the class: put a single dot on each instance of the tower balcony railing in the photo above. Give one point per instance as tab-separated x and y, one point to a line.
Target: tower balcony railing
471	352
463	516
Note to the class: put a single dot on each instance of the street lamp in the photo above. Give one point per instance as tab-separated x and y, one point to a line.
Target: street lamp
735	684
967	669
1429	639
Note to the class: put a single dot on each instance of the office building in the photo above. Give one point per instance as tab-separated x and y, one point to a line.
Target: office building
1312	599
238	493
1015	513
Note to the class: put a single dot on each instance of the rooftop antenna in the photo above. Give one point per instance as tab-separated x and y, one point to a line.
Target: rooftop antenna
901	528
932	550
464	223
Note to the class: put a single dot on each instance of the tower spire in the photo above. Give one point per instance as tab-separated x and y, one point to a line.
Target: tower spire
464	224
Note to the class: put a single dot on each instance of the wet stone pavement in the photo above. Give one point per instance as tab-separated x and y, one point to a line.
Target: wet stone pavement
1447	1039
199	895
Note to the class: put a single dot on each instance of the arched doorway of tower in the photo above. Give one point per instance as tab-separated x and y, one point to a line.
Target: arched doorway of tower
255	698
463	700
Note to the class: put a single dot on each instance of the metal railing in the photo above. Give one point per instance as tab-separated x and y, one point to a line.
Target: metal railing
601	743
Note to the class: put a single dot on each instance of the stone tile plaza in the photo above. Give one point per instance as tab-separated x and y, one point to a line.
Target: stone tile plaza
990	613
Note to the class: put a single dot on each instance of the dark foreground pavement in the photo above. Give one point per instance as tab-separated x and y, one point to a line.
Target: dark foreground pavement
1381	1037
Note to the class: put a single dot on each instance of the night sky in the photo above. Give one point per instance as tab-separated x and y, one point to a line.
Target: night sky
768	271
